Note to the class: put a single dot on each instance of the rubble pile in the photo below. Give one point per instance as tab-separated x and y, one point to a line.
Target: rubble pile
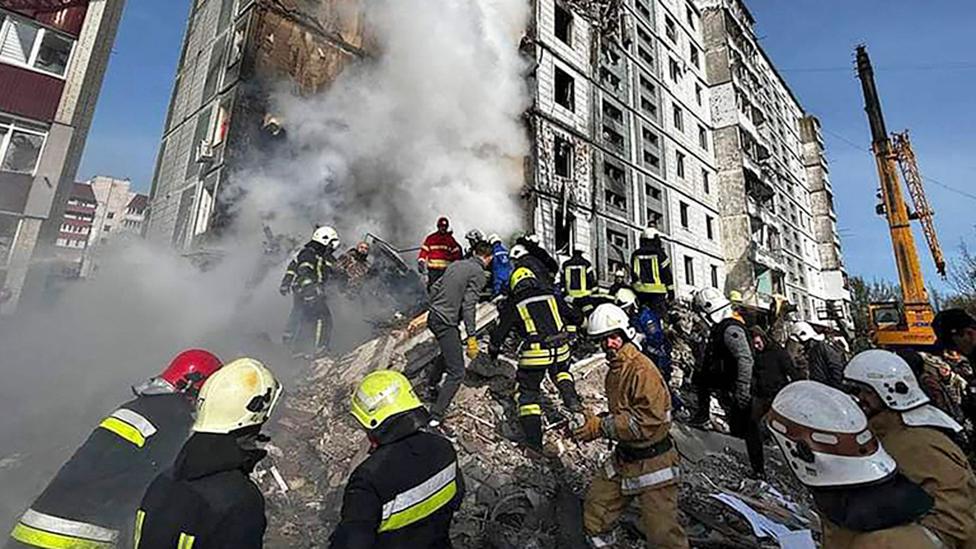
513	500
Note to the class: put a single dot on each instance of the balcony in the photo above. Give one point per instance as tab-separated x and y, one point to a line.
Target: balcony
772	259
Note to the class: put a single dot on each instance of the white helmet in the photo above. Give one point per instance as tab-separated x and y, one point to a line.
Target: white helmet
518	251
533	238
825	438
609	318
713	304
326	236
890	377
493	238
241	394
650	233
626	298
803	332
474	235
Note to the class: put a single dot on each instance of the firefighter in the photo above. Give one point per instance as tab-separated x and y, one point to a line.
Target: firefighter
473	237
539	320
650	273
522	258
405	493
653	341
437	252
307	275
533	245
207	500
89	503
644	464
619	281
915	434
726	369
863	502
578	282
501	266
825	363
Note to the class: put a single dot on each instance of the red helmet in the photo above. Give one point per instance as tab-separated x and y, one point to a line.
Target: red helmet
442	223
189	369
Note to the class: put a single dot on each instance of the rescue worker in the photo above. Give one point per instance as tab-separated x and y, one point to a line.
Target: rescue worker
863	502
522	258
89	502
644	464
474	236
501	266
955	330
313	268
354	264
453	300
405	493
533	245
578	281
652	339
207	500
935	378
824	362
915	434
619	281
437	252
726	369
540	321
650	273
772	370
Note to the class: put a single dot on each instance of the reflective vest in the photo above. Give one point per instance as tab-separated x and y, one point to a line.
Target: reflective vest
545	333
647	272
577	285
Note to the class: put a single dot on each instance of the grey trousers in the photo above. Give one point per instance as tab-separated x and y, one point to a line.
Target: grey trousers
450	362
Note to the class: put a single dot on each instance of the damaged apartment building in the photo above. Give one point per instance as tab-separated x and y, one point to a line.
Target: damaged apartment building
640	116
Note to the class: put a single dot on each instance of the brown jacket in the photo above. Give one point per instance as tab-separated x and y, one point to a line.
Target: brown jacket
899	537
640	412
928	458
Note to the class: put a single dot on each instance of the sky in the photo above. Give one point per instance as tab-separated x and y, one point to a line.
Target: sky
925	68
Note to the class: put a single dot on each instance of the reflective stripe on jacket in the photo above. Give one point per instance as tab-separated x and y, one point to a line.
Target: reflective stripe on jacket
439	250
541	322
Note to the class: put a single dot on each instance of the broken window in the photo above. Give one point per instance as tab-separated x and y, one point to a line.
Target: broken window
20	146
698	93
648	86
683	212
680	161
714	271
645	56
643	35
564	24
706	185
613	173
679	118
617	239
564	89
695	56
648	107
651	159
8	234
653	192
654	218
613	137
702	137
643	9
565	227
24	43
674	70
612	112
615	200
689	271
709	230
563	157
650	138
690	16
610	79
227	10
215	68
671	29
53	53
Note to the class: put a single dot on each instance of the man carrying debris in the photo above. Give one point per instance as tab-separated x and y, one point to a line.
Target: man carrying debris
437	252
453	299
650	272
306	277
915	434
406	492
862	499
354	264
824	362
501	266
89	503
539	321
726	369
644	464
207	500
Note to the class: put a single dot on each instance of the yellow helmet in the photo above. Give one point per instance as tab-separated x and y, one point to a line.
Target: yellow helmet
241	394
520	275
735	296
381	395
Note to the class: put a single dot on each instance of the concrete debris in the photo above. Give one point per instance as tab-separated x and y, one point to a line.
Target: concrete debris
513	500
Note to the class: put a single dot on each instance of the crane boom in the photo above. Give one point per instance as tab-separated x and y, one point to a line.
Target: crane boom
913	328
923	212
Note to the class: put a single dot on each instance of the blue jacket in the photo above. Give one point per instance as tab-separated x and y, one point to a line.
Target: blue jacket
656	345
501	269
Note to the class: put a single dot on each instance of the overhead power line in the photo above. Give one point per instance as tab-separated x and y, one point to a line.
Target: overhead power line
949	67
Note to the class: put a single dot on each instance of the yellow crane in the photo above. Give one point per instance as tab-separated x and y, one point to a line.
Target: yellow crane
909	323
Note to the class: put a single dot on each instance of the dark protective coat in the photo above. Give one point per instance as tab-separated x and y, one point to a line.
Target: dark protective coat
650	269
205	501
826	363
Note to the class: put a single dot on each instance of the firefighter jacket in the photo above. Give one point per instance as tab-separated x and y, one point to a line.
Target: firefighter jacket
542	273
896	537
655	343
728	362
90	501
773	369
930	459
309	271
439	250
825	363
639	421
403	496
541	322
650	270
205	501
501	269
578	278
549	265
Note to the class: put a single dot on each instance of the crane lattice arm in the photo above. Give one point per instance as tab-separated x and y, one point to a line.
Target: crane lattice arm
923	212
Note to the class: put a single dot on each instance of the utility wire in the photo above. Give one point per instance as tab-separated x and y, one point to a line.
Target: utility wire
955	66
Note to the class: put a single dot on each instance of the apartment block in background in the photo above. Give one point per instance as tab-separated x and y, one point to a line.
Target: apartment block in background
234	53
76	224
778	234
53	57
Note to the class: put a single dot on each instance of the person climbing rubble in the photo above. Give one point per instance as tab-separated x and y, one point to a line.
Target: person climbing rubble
916	434
644	464
306	277
653	342
824	361
90	501
453	299
405	493
862	499
650	272
207	500
726	369
546	267
501	266
540	321
438	250
354	264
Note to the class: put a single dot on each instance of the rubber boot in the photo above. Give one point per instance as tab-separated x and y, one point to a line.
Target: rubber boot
532	428
571	399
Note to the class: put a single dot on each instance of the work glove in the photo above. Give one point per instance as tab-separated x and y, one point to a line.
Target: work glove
493	352
422	268
590	429
472	347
